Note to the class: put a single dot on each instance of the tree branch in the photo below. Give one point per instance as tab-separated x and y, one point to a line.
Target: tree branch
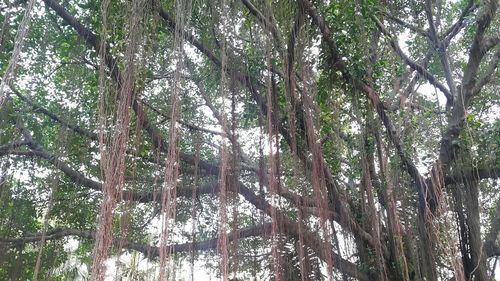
490	43
411	27
156	137
79	178
459	24
128	195
268	24
373	97
457	118
183	123
491	247
411	63
443	54
148	250
471	175
310	239
9	147
488	75
38	108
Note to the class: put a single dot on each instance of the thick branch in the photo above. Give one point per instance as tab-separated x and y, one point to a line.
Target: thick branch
473	175
490	43
459	23
476	54
9	147
79	178
147	250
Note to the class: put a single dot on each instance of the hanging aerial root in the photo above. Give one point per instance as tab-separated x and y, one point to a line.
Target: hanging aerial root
22	31
113	145
318	180
169	189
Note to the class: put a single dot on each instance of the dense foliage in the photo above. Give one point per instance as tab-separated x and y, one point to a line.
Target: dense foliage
263	140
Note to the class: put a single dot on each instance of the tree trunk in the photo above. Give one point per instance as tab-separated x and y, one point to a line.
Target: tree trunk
478	270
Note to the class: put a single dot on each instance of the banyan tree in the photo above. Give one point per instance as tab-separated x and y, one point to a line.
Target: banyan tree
249	140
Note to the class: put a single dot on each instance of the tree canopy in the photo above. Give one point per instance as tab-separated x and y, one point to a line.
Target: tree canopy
249	140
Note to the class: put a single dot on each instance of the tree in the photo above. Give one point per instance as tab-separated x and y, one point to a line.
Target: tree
265	140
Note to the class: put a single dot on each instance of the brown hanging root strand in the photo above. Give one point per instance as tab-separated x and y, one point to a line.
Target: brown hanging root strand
261	180
113	145
302	257
103	115
273	146
154	208
367	162
317	175
300	223
272	181
290	80
392	211
222	240
235	231
197	147
290	102
372	212
150	43
300	219
22	31
62	140
277	173
98	259
168	210
291	99
127	205
235	173
443	225
318	181
234	180
169	190
368	203
437	185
